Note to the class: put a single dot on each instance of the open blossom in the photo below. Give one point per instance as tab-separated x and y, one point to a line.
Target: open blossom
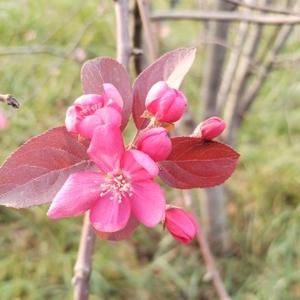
122	188
210	128
155	142
181	224
91	110
165	103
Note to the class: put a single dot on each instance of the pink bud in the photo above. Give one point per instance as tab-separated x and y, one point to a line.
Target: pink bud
91	110
155	142
210	128
181	224
165	103
3	120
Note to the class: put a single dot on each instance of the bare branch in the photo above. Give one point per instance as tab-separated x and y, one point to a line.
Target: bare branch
9	100
232	65
123	39
224	16
239	83
264	70
287	60
147	30
83	266
263	8
37	49
210	263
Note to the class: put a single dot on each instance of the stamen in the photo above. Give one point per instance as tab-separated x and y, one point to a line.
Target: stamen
118	186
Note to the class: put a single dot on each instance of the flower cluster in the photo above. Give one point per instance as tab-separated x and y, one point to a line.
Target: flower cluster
120	192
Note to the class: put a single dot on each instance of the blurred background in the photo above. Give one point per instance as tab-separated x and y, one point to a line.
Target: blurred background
42	47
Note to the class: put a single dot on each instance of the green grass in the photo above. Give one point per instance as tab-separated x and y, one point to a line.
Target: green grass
37	255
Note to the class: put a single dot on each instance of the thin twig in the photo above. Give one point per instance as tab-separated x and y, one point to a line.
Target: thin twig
240	80
147	30
36	49
231	66
224	16
83	266
263	8
139	59
123	39
264	70
10	100
209	260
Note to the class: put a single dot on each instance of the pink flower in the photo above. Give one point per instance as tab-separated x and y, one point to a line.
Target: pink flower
123	188
210	128
181	224
165	103
155	142
90	111
3	120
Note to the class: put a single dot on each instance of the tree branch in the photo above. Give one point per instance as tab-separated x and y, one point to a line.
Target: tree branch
263	71
240	80
209	260
231	67
123	39
224	16
9	100
263	8
83	266
147	30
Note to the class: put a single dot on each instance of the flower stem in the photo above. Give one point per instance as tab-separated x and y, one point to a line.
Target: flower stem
83	266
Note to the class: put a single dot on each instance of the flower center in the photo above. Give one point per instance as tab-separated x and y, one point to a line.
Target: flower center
117	185
88	110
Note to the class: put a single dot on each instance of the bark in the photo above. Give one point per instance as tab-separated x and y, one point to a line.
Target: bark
83	266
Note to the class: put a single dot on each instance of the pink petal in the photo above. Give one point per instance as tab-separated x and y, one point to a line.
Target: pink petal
109	115
113	94
71	119
148	202
108	215
107	147
89	99
138	165
156	91
105	115
121	234
76	196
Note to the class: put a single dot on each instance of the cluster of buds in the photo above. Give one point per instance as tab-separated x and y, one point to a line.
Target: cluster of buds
164	105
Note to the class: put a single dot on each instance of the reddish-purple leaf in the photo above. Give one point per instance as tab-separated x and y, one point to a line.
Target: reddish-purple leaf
101	70
35	172
171	67
197	164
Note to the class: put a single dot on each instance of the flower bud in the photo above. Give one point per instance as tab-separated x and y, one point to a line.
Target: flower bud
155	142
210	128
181	224
91	110
165	103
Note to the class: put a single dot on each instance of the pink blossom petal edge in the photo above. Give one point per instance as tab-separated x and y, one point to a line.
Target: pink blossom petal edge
148	203
105	115
138	165
107	147
77	195
110	216
122	234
